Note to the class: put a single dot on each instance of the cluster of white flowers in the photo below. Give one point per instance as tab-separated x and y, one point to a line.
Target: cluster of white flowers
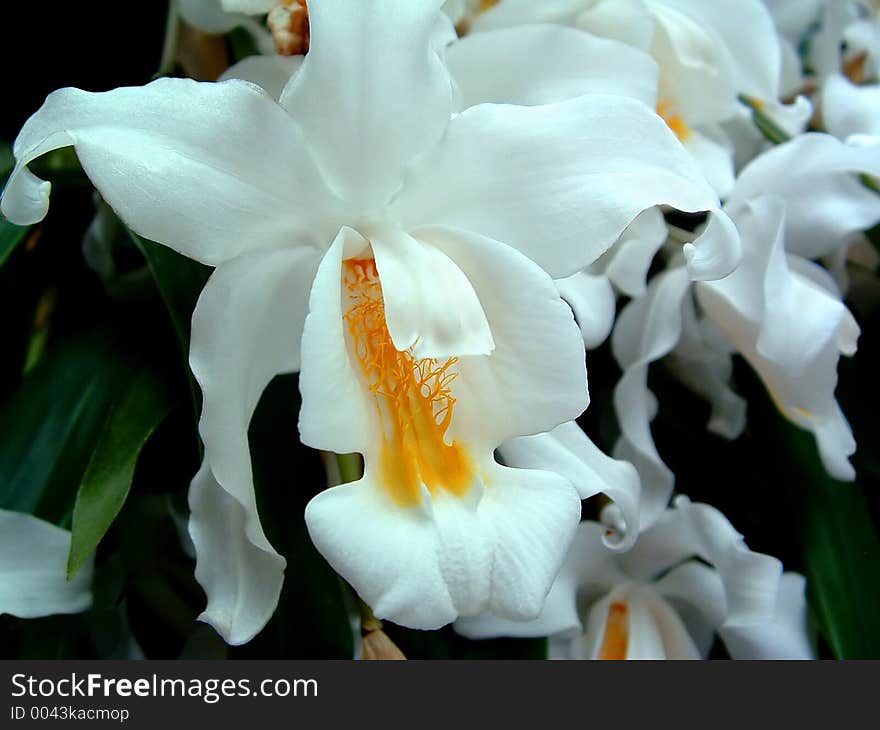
433	226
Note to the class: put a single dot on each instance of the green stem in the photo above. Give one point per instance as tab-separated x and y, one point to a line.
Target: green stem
351	467
169	47
770	129
369	622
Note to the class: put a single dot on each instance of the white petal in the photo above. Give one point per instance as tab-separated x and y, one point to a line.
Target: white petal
824	54
238	569
568	451
630	258
208	15
251	7
698	586
391	554
537	178
589	571
817	175
534	515
715	160
593	302
423	566
327	374
702	361
794	17
627	21
786	636
510	13
430	306
210	169
535	377
270	73
542	64
791	330
633	622
647	329
750	579
246	329
677	641
371	93
696	70
848	109
33	569
755	55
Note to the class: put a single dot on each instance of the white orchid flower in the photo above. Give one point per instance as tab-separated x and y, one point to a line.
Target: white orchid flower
783	313
33	569
705	60
412	236
848	40
687	579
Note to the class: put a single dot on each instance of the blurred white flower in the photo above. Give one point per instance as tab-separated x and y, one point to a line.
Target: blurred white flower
687	579
33	569
706	59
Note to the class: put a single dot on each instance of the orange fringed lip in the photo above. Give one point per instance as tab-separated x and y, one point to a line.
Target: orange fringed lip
413	397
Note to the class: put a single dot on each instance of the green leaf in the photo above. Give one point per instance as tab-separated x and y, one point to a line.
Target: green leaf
837	536
7	160
772	132
49	426
136	414
180	281
841	554
11	237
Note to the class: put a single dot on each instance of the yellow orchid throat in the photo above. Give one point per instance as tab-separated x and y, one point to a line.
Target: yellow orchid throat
412	397
616	640
674	121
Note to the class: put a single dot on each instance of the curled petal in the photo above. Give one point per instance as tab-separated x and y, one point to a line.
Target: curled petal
568	451
647	329
210	169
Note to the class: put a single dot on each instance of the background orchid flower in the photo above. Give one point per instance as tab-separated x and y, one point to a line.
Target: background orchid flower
706	61
850	112
567	450
33	569
784	315
782	312
221	16
687	579
848	40
269	68
415	239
